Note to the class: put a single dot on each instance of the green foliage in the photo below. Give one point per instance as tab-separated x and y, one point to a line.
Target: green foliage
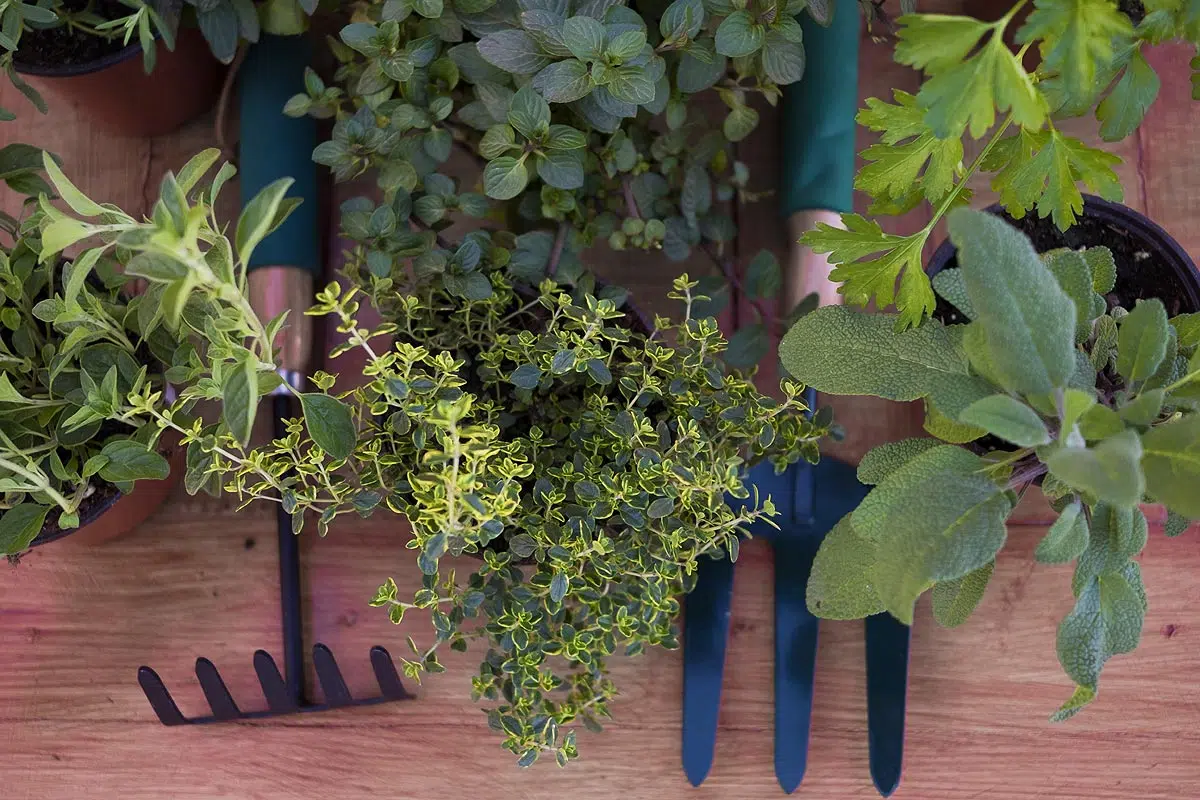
224	24
1097	404
581	115
583	463
1091	61
84	395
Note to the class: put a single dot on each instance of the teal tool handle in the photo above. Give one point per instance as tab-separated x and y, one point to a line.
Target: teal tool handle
274	146
818	117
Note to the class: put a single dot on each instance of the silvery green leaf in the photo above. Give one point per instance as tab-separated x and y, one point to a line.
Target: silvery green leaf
1004	416
1067	538
885	459
1142	340
950	286
1106	621
954	601
1110	471
841	585
1028	320
1171	460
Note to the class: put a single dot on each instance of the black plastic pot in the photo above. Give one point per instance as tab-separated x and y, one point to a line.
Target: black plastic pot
1150	263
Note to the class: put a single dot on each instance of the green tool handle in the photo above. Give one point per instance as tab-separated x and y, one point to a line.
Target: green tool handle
818	117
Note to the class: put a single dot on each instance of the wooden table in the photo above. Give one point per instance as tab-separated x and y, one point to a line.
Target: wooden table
199	579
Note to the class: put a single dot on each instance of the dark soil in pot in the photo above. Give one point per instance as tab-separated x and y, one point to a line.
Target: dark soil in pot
64	46
1150	263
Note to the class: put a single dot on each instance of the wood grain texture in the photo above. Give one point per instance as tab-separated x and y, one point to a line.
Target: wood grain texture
200	579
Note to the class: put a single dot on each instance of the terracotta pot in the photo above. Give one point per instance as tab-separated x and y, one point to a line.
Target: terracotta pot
126	512
115	94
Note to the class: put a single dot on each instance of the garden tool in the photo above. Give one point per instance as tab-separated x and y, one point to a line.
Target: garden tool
283	267
818	130
810	501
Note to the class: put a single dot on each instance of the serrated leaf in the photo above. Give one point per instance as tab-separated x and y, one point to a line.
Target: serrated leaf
562	169
841	583
898	168
1067	538
864	279
1122	111
763	278
529	113
512	51
782	60
1004	416
584	37
739	123
885	459
1109	471
964	91
631	85
954	601
1077	39
1028	320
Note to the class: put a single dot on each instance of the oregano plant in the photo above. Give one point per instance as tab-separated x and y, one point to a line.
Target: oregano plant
1089	60
1045	383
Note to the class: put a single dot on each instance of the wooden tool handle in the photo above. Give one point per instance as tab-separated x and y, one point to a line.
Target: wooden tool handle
275	289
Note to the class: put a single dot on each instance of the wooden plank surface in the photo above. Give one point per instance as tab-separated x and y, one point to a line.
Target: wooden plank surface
198	579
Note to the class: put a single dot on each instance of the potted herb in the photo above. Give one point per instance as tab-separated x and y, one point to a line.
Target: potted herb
514	409
1068	60
1060	369
87	386
87	53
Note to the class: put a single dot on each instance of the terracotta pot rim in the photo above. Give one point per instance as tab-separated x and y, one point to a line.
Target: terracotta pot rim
97	513
86	68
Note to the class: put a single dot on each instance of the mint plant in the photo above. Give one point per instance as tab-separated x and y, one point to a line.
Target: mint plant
1091	60
1096	404
87	391
580	115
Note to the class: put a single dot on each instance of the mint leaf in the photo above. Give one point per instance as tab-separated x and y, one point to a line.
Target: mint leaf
1028	321
748	346
529	113
584	37
954	601
782	60
504	178
564	81
739	35
763	278
1004	416
562	169
631	84
1110	471
512	51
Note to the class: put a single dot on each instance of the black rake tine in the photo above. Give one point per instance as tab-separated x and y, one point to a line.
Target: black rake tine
160	699
385	673
279	700
215	691
332	683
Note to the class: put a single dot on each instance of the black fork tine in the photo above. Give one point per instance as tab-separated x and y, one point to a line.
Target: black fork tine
215	691
279	700
160	699
332	683
386	675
